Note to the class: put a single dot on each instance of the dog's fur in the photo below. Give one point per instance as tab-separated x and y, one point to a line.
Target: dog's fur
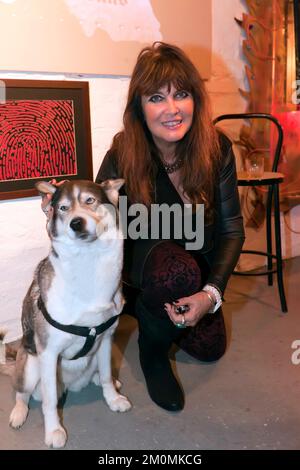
79	283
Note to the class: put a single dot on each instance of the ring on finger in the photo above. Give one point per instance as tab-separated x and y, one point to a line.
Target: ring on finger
182	324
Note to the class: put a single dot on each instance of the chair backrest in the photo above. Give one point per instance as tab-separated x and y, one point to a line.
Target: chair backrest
250	116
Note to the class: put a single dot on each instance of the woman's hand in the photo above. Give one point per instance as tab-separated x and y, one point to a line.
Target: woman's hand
199	304
46	199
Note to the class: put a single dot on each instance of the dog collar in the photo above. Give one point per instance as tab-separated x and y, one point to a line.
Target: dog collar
89	333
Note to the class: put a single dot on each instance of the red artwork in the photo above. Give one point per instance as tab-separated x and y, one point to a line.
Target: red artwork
37	139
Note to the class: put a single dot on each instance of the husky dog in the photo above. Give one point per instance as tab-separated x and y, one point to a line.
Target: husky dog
71	308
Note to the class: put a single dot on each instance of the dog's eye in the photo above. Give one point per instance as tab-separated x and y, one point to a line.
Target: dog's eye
90	200
63	208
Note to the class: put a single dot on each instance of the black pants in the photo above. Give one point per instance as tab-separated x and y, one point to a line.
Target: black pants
170	272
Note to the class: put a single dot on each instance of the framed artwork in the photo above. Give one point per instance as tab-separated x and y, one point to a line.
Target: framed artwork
44	134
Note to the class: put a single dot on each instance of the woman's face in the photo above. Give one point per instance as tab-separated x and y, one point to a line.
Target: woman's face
168	114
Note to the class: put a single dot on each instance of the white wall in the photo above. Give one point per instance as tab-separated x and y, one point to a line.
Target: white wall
23	240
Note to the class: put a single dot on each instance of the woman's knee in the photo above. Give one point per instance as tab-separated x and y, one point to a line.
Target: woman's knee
171	268
169	273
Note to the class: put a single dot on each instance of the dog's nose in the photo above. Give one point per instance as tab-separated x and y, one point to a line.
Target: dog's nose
77	224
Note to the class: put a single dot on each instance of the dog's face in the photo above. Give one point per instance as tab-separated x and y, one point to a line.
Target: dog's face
82	210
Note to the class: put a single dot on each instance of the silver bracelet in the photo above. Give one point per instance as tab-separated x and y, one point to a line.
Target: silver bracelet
212	300
208	288
216	287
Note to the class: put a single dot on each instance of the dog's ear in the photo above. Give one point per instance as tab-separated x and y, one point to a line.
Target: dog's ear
45	188
111	188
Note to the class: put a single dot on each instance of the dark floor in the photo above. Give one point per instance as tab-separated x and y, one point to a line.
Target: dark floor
247	400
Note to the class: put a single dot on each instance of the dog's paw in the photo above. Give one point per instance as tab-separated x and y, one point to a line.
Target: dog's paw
56	438
18	415
120	403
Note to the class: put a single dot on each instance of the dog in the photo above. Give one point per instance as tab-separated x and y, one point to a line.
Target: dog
71	309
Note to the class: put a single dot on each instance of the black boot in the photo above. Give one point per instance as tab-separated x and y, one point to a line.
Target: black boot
155	338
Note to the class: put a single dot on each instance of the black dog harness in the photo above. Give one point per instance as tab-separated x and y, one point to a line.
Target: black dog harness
89	333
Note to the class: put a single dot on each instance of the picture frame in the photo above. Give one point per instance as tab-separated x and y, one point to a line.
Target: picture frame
45	133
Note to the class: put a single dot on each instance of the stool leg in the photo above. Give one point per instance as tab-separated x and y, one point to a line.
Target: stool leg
269	233
278	248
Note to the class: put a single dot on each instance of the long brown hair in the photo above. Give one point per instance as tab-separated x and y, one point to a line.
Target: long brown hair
157	66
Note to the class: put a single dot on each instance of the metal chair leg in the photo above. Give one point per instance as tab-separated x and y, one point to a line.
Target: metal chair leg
269	233
278	249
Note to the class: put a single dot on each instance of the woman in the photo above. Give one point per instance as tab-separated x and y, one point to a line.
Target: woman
170	153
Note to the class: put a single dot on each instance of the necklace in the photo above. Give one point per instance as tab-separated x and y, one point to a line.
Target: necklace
171	168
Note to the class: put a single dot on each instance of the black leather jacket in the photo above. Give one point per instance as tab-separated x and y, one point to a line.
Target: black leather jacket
223	239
